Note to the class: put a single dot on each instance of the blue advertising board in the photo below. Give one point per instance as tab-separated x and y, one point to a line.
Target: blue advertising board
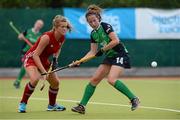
121	19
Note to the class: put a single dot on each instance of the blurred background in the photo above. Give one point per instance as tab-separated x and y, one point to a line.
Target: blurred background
150	29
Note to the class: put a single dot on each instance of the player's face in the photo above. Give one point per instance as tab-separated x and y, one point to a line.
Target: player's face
62	28
93	21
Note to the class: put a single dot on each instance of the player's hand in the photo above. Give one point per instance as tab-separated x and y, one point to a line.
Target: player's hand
45	77
44	73
54	63
21	36
75	64
99	53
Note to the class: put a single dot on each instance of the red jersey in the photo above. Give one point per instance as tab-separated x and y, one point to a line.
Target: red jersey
53	46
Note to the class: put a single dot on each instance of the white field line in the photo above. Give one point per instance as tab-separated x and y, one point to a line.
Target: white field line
97	103
159	81
90	119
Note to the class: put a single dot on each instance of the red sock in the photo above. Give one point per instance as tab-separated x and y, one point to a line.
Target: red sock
27	93
52	96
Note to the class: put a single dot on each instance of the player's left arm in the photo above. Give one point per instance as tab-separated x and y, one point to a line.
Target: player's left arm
58	52
55	58
113	43
113	37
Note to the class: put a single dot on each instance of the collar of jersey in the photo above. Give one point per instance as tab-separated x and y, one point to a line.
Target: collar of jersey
34	31
98	26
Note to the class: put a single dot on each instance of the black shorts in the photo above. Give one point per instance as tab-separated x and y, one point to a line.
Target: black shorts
119	60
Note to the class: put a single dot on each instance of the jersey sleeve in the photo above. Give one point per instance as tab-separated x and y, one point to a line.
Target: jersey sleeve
107	27
92	39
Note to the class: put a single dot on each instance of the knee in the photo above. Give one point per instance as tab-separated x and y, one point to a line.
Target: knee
54	83
34	80
111	80
95	80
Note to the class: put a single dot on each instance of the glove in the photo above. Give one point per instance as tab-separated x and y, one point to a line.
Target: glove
99	53
54	63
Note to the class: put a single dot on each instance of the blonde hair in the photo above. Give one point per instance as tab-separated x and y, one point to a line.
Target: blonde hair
94	10
59	18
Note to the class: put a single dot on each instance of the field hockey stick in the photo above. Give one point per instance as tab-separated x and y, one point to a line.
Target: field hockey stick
17	31
83	60
43	83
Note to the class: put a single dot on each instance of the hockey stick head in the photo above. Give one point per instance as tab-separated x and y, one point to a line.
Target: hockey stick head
42	87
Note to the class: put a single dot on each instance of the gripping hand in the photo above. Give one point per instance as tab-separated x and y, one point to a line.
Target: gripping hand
99	53
75	64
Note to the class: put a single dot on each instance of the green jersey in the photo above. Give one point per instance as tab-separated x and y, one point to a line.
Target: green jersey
100	36
32	37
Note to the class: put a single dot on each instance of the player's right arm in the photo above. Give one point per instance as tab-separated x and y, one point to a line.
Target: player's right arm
93	47
41	46
92	51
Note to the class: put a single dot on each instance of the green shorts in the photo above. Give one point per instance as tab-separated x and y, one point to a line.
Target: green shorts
119	60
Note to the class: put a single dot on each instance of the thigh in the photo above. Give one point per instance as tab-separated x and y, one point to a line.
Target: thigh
100	73
34	74
115	72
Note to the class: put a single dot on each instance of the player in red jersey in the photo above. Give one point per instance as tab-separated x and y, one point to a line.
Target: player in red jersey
36	62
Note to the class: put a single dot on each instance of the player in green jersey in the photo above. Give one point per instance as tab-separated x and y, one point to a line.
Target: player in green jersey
32	35
116	59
